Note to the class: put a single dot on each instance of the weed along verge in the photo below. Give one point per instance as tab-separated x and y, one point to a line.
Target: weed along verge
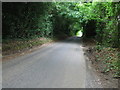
19	45
105	61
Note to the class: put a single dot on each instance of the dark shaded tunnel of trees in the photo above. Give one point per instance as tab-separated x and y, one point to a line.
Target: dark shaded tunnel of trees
60	20
90	29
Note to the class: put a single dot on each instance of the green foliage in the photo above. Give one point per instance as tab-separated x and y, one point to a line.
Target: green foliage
26	20
107	31
41	19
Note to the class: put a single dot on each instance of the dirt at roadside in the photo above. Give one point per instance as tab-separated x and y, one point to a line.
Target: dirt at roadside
107	79
24	52
14	48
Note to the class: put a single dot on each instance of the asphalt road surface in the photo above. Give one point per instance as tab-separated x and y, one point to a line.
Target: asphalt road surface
58	65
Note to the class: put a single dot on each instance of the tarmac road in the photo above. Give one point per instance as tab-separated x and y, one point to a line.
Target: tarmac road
58	65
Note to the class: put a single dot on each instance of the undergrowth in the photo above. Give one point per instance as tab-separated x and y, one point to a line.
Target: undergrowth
12	46
108	57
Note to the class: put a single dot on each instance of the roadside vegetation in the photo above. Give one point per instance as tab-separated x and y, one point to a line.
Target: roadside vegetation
108	59
18	45
28	24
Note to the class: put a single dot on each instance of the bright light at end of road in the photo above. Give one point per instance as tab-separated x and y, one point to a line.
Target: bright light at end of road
79	34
